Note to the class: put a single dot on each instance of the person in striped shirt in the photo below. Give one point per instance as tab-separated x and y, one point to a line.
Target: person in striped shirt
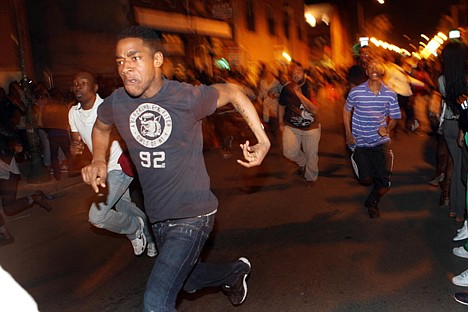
371	111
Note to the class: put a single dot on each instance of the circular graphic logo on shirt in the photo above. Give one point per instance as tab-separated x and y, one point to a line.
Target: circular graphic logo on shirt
150	125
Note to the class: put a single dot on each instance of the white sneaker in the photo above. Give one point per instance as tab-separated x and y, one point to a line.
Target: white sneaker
461	252
139	243
461	280
151	250
415	125
462	233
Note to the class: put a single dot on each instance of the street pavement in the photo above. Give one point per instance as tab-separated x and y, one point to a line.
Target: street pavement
312	249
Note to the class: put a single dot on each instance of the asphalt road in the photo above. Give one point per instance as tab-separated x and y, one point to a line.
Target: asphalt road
312	249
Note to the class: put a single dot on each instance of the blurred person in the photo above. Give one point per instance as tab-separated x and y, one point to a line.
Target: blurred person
160	122
454	87
398	79
462	233
299	123
422	95
10	177
449	84
268	93
41	95
17	97
356	74
228	125
55	122
116	212
444	163
370	113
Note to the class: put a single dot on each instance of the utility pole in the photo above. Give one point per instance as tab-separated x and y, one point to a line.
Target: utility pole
360	18
37	172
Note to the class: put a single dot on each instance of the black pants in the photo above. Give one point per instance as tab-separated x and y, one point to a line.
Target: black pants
373	166
407	108
59	138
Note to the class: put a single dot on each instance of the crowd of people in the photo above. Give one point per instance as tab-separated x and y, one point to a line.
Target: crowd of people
165	119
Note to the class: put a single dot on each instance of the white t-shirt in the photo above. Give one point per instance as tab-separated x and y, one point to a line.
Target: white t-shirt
82	121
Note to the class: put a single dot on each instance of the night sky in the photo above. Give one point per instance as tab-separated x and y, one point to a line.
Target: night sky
410	17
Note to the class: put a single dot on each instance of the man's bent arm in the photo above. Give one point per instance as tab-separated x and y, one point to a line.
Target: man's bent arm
95	174
101	138
230	93
347	125
391	124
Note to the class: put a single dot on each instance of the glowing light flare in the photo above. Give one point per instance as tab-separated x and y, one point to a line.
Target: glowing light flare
404	51
381	1
425	37
286	56
422	43
438	39
374	41
442	35
433	45
223	64
416	55
310	19
388	46
326	19
431	48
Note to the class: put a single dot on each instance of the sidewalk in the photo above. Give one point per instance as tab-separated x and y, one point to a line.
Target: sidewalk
51	187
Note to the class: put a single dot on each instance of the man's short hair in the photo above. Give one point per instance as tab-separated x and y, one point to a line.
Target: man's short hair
151	38
90	73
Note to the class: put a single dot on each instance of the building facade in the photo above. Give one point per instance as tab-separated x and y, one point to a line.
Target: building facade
15	48
69	35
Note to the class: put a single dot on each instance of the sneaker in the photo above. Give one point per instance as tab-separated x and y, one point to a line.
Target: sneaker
41	199
139	243
462	233
238	292
151	250
461	297
461	252
415	125
437	180
462	279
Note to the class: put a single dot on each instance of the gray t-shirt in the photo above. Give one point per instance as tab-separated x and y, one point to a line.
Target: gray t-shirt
164	137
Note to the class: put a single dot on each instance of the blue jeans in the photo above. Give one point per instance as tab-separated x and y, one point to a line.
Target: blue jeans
122	219
177	266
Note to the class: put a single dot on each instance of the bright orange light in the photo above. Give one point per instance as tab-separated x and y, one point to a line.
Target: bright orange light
442	35
286	56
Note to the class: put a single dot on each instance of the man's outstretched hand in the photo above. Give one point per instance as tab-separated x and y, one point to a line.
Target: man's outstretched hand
95	175
253	155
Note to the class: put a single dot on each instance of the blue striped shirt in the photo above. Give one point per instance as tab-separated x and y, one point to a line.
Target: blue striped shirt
370	113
